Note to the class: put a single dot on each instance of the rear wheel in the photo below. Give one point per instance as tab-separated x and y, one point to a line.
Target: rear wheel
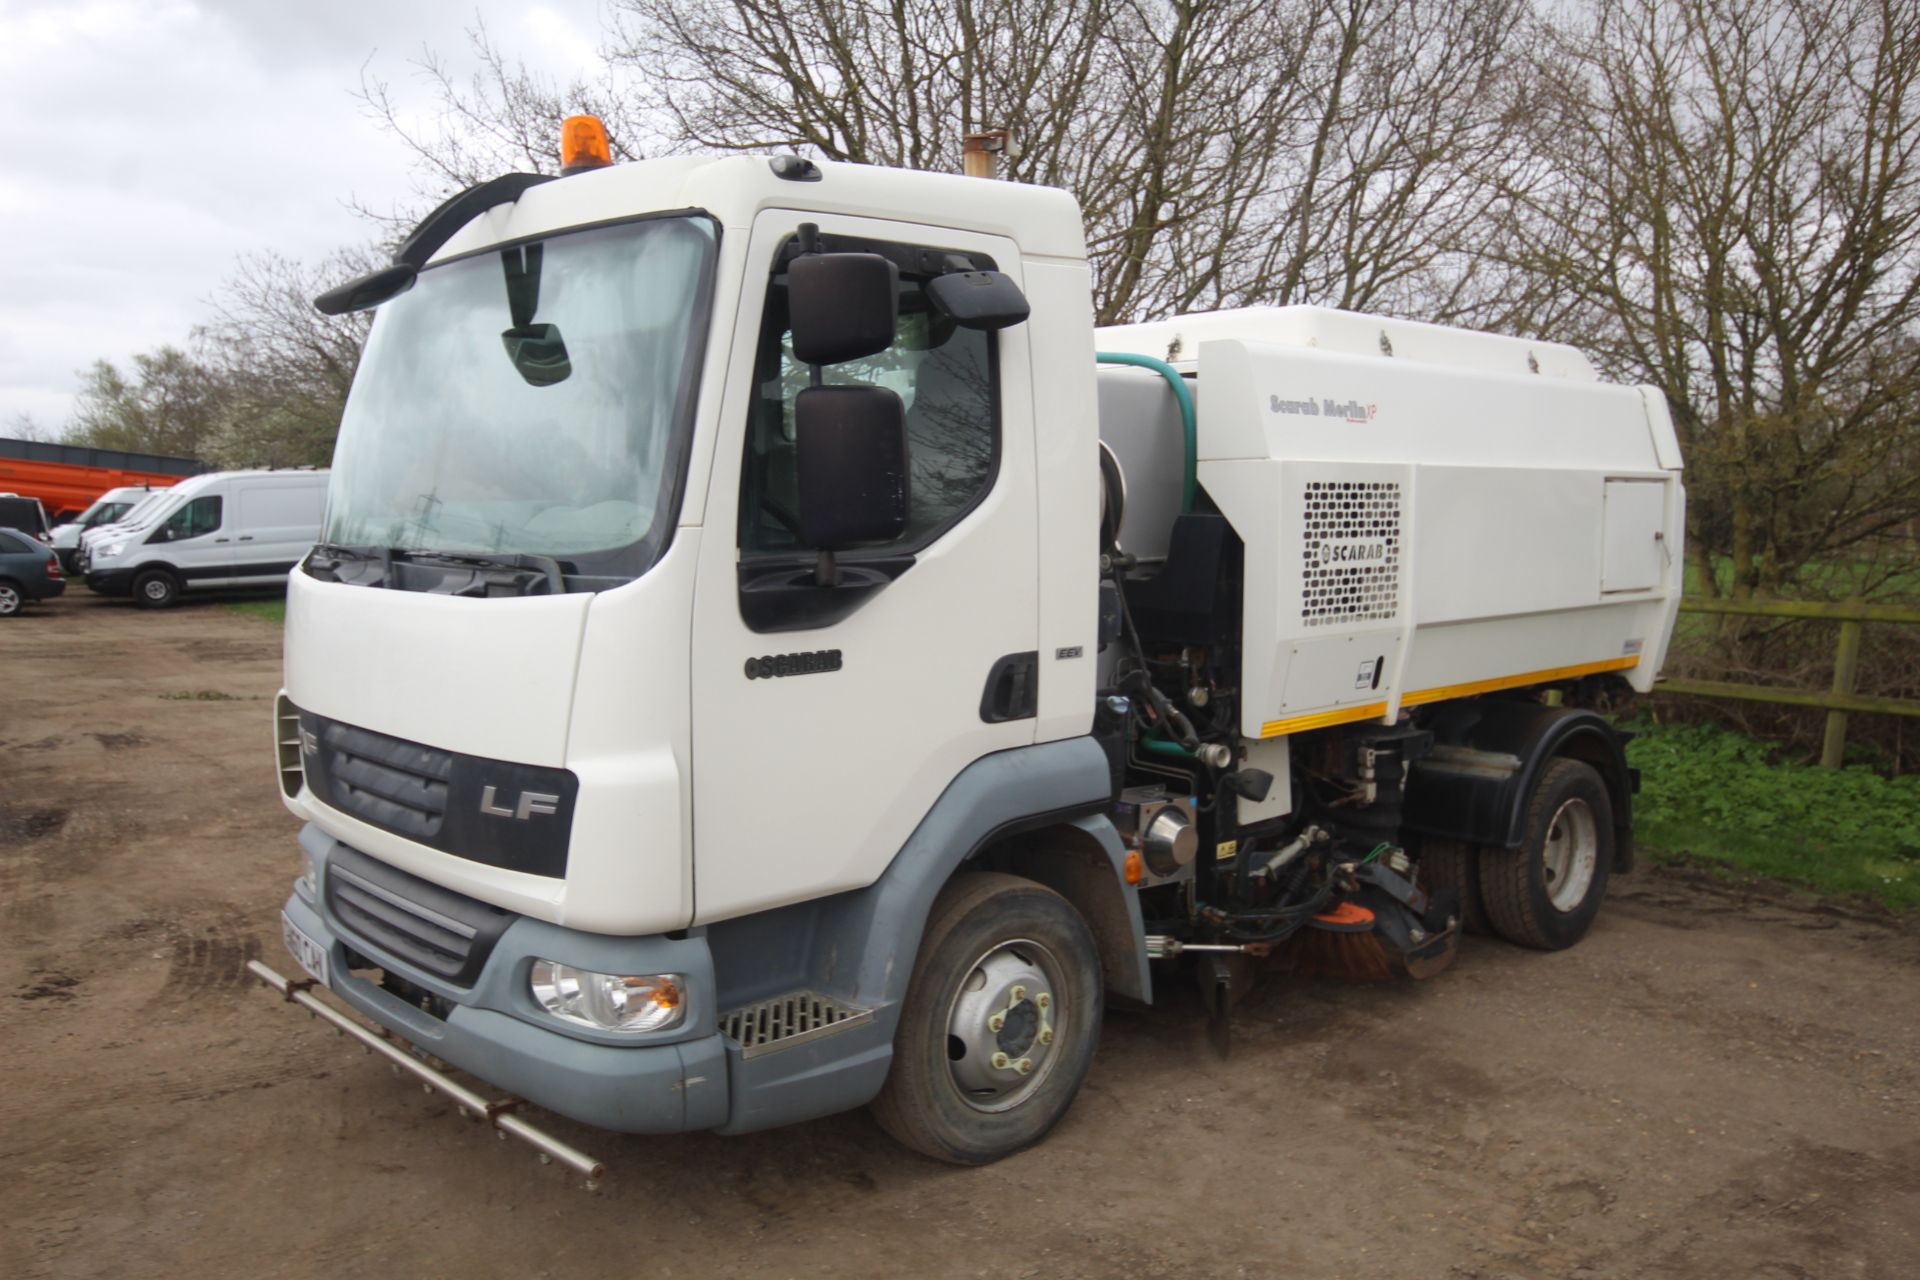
1453	866
1546	893
156	589
999	1025
10	599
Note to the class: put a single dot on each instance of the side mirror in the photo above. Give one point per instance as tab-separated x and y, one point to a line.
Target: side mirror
979	299
850	466
842	306
369	290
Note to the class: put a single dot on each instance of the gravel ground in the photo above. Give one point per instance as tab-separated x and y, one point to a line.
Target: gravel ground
1718	1082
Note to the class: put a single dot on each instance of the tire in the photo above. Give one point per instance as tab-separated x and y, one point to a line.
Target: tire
12	599
1546	893
1453	866
156	589
988	937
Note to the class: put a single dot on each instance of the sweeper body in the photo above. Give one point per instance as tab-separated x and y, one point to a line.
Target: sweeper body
759	662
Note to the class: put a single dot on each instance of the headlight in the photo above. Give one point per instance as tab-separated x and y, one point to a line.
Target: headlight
110	550
609	1001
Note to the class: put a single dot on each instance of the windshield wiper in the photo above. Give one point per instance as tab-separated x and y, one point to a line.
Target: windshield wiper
546	567
339	553
404	569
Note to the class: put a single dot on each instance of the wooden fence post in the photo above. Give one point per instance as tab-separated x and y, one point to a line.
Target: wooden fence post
1846	664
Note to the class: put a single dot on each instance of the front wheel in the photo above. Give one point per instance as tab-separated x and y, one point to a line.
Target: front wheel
1546	893
156	589
999	1025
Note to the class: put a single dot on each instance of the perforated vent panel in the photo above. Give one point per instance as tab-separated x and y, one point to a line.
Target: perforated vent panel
1350	552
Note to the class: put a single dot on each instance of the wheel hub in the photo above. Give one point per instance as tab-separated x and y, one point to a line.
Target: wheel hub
1001	1027
1571	854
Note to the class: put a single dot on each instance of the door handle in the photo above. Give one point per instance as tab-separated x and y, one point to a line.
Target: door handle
219	539
245	537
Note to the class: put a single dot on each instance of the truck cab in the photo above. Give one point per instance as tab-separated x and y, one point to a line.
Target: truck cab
715	699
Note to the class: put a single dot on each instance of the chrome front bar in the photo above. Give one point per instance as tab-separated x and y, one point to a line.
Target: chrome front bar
498	1114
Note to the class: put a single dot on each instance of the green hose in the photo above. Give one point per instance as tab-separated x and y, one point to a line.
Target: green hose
1187	424
1161	747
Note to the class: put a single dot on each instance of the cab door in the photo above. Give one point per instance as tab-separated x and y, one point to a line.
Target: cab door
197	540
828	721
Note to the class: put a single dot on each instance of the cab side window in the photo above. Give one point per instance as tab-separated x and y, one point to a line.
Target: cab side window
202	515
948	379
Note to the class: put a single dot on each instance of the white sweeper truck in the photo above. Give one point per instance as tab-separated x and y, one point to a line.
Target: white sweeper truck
769	654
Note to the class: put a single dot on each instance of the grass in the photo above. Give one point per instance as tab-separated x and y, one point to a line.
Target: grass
270	610
1720	797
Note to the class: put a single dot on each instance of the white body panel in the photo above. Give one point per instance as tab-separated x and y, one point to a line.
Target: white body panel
274	521
1419	530
354	655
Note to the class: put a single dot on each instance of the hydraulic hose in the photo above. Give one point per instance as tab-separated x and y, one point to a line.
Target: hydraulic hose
1188	425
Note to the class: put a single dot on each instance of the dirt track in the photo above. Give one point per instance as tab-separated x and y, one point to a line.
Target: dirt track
1716	1083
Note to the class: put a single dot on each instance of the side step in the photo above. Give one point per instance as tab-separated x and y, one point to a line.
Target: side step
784	1021
498	1114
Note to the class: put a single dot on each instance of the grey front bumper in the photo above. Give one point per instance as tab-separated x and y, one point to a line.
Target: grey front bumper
669	1082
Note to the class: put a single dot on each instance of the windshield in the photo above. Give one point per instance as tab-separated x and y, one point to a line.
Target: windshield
534	401
142	509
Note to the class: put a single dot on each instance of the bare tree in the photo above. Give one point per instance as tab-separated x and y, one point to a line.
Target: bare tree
1734	217
1224	152
500	118
24	426
284	368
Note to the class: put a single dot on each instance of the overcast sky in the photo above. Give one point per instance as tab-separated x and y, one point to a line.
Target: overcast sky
145	143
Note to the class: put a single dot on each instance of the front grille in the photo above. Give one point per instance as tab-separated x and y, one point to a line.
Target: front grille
442	933
389	782
788	1020
500	812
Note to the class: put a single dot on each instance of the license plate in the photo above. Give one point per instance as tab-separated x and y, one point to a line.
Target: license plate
311	955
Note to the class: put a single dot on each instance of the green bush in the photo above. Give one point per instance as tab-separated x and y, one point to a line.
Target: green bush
1718	795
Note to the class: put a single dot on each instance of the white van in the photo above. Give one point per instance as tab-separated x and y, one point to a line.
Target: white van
111	506
134	517
219	530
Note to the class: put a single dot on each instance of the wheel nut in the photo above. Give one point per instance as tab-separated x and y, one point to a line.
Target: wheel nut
1046	1037
1019	993
996	1022
1000	1061
1043	1000
1023	1066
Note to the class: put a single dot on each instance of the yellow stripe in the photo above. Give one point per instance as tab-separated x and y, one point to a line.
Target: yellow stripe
1472	687
1346	715
1322	719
